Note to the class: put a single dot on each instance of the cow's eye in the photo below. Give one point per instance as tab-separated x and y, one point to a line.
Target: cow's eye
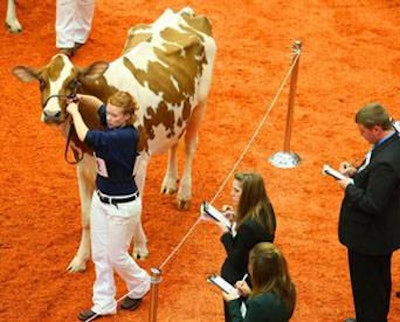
73	85
42	84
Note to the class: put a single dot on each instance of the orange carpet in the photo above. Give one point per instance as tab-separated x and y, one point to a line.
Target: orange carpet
351	55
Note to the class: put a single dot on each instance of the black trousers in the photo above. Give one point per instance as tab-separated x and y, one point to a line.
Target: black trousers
371	283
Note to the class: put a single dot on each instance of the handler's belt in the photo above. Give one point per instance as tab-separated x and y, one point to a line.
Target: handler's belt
116	200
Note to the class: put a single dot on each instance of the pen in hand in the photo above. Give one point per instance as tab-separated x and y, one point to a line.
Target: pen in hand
240	283
242	286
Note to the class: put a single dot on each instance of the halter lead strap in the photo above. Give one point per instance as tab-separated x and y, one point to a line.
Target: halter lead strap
73	97
77	156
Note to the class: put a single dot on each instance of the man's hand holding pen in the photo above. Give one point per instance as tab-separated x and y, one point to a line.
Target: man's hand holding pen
347	169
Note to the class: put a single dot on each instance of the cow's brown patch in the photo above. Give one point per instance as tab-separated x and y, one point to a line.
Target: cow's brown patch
134	38
161	115
186	110
55	68
143	144
98	87
181	62
200	23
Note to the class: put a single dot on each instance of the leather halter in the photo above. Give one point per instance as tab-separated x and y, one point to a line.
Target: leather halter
77	156
71	131
75	85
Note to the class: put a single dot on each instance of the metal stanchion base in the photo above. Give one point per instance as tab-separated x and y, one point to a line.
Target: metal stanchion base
285	160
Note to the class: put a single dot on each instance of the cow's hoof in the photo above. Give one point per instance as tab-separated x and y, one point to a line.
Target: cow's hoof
140	255
184	204
76	266
14	29
169	186
168	191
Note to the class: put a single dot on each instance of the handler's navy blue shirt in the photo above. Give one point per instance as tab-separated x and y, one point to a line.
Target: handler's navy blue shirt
115	152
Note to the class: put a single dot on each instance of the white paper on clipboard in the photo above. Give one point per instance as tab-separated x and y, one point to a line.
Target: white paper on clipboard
329	171
222	284
212	212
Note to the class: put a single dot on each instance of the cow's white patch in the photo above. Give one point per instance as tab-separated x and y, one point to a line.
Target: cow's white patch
174	82
57	87
141	55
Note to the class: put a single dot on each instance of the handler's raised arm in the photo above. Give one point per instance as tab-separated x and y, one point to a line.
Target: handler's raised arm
80	126
89	100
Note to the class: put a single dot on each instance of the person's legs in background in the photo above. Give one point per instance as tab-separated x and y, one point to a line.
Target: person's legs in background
371	286
73	24
83	22
65	12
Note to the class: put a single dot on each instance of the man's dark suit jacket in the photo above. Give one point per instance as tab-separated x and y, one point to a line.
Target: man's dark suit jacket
369	220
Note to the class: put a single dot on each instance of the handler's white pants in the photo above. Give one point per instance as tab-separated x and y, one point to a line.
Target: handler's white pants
111	233
73	22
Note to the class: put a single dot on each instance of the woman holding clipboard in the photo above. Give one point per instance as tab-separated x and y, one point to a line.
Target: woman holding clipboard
253	220
272	297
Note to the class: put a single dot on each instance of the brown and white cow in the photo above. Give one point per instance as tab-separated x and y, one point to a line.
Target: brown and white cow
11	21
167	66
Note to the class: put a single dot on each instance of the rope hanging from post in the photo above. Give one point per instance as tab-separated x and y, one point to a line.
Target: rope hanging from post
292	94
285	158
222	186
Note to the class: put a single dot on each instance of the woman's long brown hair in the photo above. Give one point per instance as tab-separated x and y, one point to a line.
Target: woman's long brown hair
269	273
254	202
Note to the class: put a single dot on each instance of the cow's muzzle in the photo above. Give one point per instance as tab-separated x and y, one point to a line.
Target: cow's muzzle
56	117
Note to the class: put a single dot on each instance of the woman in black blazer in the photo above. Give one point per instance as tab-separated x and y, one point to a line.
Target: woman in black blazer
254	222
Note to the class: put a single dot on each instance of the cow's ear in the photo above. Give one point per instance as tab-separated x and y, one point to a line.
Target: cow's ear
25	74
95	70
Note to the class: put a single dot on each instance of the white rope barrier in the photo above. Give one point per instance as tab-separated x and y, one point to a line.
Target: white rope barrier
257	129
222	186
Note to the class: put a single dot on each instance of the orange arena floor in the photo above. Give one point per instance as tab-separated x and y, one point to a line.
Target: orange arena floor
351	55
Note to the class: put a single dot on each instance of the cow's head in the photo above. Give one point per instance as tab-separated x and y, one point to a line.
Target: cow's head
59	80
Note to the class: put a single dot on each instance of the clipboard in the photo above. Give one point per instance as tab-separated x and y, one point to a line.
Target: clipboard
215	214
222	284
329	171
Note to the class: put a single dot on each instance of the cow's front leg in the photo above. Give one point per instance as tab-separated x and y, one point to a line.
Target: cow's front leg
140	250
171	176
184	196
86	176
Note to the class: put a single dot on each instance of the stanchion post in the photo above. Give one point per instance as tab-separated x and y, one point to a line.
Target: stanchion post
292	94
155	280
287	159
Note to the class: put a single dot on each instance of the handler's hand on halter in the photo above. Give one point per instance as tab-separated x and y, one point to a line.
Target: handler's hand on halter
72	108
